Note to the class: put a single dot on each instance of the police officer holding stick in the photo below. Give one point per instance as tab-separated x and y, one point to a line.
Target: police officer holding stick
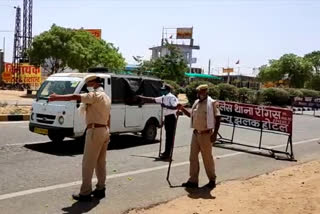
205	121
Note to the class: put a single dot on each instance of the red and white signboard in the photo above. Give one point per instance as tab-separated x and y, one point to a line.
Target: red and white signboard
254	116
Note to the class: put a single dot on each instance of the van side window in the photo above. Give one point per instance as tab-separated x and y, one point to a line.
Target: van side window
125	89
85	90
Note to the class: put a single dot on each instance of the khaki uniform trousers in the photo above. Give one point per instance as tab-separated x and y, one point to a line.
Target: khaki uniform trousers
201	143
94	158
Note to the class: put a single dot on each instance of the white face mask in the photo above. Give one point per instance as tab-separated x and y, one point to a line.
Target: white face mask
90	89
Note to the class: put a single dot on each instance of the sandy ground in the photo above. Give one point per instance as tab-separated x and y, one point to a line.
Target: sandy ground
11	109
14	95
294	190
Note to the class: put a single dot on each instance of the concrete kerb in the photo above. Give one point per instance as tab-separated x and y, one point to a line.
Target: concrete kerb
14	117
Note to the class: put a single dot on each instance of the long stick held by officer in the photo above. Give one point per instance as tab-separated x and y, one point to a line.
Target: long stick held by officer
96	105
205	121
169	102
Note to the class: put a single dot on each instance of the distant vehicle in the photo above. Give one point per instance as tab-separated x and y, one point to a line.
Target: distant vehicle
62	119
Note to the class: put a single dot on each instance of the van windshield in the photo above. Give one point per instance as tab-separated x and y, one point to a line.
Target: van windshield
57	87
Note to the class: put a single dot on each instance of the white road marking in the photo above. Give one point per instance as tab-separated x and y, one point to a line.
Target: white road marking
28	143
59	186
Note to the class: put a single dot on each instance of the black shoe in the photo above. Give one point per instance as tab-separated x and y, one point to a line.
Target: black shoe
164	156
99	193
190	185
210	185
79	197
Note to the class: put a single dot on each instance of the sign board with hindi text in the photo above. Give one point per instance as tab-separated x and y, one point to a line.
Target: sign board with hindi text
227	70
29	75
184	33
259	117
308	102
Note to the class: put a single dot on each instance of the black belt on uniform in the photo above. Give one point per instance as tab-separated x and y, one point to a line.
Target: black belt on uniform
95	125
202	132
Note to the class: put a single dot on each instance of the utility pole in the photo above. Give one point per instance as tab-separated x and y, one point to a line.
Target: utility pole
17	47
228	81
209	66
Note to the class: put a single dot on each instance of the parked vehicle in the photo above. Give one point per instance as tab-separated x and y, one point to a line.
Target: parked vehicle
62	119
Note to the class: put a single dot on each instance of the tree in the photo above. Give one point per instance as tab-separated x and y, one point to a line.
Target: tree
60	48
290	66
171	66
314	58
314	82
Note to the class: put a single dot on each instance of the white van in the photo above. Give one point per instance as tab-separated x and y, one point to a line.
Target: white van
62	119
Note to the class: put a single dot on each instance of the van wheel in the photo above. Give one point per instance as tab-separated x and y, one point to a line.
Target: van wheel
149	132
56	138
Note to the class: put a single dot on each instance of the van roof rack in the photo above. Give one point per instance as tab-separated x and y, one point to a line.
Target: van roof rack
98	70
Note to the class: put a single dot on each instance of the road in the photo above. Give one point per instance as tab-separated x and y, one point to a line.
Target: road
37	176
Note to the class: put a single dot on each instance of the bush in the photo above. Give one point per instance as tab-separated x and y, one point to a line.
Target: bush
228	92
294	92
275	96
214	92
310	93
191	91
257	98
245	95
182	90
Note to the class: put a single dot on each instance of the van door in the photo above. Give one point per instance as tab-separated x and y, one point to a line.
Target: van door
133	116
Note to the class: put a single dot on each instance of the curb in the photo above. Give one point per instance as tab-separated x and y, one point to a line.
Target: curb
18	117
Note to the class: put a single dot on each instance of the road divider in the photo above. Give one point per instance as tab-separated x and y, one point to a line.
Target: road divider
13	117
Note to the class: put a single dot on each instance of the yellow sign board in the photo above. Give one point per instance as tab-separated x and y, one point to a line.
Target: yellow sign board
28	74
227	70
184	33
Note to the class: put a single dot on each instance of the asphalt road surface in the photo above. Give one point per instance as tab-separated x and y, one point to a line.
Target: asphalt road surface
37	176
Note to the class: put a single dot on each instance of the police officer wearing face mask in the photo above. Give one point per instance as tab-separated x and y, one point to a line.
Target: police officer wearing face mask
97	113
205	121
169	102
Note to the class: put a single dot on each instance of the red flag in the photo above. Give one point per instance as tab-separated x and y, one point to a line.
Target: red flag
238	62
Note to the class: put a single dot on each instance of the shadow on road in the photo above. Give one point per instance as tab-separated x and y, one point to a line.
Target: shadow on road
204	193
264	153
127	141
75	147
81	207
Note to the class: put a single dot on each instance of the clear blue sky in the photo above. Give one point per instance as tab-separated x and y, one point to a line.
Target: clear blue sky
252	31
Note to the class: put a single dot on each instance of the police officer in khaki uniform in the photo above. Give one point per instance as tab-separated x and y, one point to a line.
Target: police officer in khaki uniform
205	121
97	113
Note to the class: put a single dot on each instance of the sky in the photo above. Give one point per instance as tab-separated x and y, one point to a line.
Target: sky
251	31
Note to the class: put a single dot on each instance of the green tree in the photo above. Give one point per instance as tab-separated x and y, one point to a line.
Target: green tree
314	58
171	66
60	48
270	72
314	82
290	66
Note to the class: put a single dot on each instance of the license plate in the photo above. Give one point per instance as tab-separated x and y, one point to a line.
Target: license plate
41	131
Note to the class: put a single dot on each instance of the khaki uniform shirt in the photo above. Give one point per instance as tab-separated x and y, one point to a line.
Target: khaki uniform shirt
200	115
98	107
